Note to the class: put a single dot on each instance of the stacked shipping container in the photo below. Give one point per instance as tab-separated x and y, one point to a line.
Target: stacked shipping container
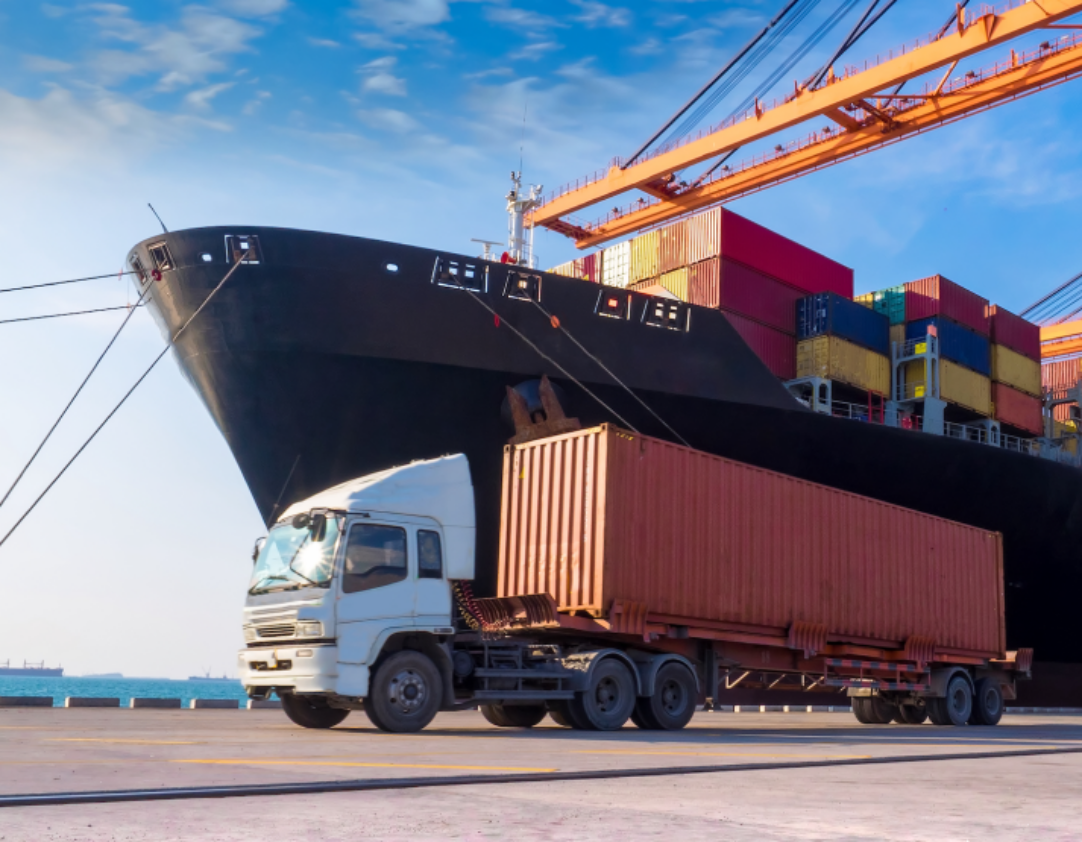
844	341
1016	371
1057	376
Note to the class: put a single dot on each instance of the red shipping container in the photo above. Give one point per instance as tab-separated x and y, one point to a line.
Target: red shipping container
1014	332
776	349
674	240
936	296
1061	374
704	283
728	285
704	235
1017	409
602	516
771	253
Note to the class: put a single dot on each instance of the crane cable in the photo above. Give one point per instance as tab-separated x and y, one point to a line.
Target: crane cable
89	374
128	394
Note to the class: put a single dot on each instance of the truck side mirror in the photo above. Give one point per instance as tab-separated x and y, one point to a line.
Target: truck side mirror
259	542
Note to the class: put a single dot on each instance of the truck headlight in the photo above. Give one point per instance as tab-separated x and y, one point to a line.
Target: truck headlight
249	633
309	628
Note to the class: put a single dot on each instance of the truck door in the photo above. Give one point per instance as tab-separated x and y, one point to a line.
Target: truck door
377	587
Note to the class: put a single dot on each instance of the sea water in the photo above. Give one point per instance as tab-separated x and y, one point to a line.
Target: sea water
123	688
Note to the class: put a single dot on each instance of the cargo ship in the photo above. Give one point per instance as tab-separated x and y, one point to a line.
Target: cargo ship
29	670
329	356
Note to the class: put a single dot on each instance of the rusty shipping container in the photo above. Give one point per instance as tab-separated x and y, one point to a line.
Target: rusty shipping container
602	516
776	349
1014	332
1010	406
937	296
721	282
704	235
1058	375
673	247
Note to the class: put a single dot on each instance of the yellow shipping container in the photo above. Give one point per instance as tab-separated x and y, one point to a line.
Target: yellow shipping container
957	384
645	256
867	300
676	282
897	334
1012	368
836	359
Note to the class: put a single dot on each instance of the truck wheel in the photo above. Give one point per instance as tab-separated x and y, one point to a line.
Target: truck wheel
513	716
910	714
638	717
607	703
406	693
311	711
873	710
987	703
862	710
560	713
672	705
957	707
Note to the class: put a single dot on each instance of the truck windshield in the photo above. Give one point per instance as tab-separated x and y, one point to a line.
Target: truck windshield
295	558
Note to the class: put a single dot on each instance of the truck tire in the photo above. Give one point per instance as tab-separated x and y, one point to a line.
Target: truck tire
311	711
909	714
987	703
873	710
406	693
672	705
560	712
607	703
957	707
513	716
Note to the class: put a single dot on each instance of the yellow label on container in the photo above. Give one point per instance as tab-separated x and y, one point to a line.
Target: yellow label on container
921	348
918	392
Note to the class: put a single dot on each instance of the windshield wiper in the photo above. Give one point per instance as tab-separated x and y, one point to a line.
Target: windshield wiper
255	587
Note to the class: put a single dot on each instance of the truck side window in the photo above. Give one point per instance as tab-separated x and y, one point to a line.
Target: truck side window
429	555
375	557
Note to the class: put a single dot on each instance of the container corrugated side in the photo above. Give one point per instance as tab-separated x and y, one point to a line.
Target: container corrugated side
1014	332
645	256
565	270
897	334
704	283
891	303
1061	374
772	254
616	265
1016	370
866	300
835	359
776	349
602	515
591	267
937	296
757	296
956	342
957	384
676	282
829	314
1010	406
704	235
673	246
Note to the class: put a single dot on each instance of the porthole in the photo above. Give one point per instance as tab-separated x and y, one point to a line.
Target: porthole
391	267
207	257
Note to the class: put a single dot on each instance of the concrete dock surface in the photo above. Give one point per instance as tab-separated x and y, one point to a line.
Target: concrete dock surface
766	794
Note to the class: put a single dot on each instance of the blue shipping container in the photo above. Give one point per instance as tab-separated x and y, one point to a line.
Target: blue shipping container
956	343
830	314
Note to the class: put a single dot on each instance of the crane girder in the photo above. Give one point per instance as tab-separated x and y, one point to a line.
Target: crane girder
877	129
973	36
1059	340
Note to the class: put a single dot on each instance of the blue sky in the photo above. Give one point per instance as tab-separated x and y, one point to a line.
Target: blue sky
397	120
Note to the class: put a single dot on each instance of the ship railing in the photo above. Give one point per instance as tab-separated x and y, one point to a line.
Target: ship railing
965	432
1020	445
910	390
875	415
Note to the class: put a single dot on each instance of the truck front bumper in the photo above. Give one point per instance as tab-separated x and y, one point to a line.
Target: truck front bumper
298	667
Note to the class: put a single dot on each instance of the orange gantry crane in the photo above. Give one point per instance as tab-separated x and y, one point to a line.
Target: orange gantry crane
866	114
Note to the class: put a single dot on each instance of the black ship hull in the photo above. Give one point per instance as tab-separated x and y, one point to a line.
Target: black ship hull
334	356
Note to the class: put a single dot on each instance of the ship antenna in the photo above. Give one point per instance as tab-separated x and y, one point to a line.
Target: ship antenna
162	224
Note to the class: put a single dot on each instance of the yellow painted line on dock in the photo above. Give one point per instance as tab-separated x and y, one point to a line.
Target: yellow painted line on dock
365	765
120	740
724	754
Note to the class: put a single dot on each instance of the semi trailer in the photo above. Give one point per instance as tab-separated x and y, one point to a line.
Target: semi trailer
636	579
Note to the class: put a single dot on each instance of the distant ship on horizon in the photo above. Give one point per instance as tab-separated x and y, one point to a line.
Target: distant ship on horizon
209	677
38	670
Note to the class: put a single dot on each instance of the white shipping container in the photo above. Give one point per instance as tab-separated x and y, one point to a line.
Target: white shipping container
616	265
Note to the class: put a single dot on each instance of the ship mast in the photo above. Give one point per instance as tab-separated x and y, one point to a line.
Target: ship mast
519	244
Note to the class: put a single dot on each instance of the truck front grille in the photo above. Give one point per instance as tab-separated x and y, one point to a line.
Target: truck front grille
277	630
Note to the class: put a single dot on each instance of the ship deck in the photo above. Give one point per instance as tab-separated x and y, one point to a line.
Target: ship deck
757	776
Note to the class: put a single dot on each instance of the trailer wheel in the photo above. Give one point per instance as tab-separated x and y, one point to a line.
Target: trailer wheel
873	710
987	703
957	707
406	693
640	721
912	714
607	703
673	703
311	711
513	716
560	713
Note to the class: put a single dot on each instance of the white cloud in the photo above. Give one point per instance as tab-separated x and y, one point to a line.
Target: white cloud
382	63
253	105
598	14
44	64
520	18
380	80
254	8
200	99
495	71
403	15
649	47
389	119
534	50
324	42
185	53
52	11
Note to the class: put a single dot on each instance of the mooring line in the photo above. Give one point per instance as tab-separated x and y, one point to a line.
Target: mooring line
52	799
